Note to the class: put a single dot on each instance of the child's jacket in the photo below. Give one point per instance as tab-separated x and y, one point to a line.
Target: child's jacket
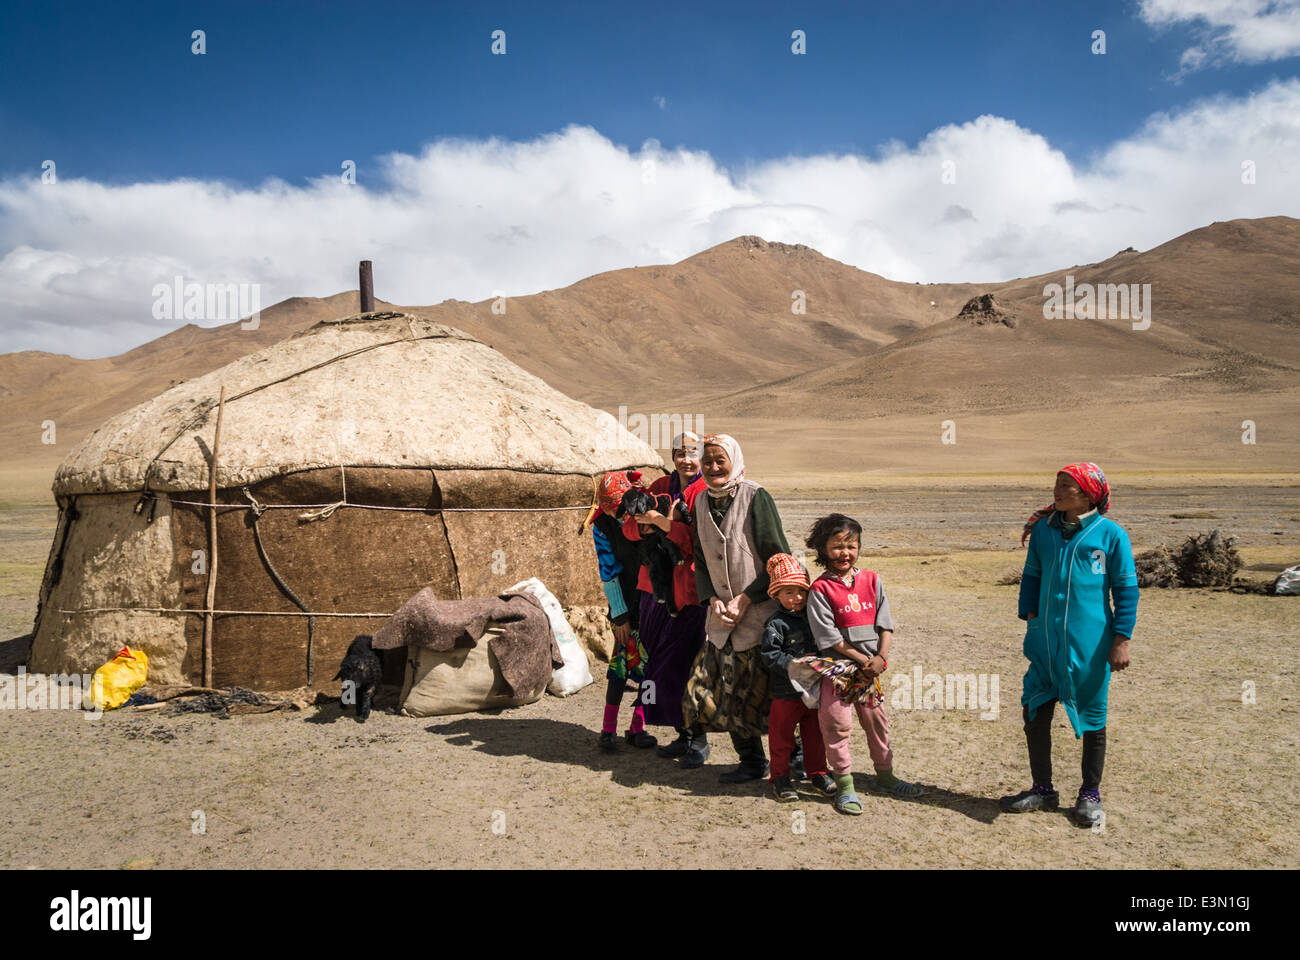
786	636
1066	582
619	563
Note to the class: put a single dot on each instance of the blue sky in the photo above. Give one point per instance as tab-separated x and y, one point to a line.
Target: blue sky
114	90
611	135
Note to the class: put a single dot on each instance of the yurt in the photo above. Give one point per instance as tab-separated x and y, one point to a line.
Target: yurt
356	462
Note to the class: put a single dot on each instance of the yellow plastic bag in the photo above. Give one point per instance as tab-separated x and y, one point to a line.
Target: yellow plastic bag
116	680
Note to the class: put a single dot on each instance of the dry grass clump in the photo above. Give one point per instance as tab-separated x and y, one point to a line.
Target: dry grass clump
1202	560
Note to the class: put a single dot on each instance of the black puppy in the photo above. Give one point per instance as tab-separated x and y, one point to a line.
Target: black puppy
659	554
360	668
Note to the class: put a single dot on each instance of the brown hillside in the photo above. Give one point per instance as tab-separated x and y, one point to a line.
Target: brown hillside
715	335
730	304
1225	309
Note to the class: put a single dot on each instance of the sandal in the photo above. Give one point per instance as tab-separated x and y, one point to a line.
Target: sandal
784	791
900	789
848	803
824	784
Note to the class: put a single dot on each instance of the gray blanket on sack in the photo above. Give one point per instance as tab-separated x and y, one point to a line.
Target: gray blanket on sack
525	650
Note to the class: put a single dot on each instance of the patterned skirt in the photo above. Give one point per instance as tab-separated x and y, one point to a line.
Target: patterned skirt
728	691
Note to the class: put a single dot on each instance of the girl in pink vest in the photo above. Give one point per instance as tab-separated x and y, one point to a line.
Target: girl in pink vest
618	563
850	620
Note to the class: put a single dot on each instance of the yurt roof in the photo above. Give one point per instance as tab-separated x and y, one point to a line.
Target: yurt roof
375	389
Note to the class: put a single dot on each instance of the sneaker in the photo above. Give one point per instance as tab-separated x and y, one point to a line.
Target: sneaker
747	771
1030	800
641	739
783	789
824	783
696	755
1087	811
607	742
677	748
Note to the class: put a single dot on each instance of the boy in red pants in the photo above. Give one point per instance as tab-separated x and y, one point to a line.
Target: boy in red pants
785	637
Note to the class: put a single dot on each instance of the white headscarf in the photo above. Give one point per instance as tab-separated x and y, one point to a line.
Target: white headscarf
728	486
690	440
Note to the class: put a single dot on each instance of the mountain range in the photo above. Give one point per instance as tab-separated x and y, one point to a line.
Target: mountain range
828	370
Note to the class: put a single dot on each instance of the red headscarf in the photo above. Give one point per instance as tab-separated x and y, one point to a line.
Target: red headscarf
609	492
1091	481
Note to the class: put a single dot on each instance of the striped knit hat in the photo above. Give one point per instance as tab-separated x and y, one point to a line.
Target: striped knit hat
786	571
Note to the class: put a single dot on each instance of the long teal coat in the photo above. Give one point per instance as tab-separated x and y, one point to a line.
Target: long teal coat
1068	644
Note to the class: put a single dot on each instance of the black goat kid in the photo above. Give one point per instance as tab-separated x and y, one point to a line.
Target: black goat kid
658	554
361	673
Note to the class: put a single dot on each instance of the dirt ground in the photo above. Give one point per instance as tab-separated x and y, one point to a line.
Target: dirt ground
1194	776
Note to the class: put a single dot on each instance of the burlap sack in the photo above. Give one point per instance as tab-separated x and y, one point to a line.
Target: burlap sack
460	680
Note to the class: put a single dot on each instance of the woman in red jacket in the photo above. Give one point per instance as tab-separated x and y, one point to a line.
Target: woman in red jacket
671	643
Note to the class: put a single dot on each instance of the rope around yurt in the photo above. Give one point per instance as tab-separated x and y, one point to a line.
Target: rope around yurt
258	510
149	494
323	511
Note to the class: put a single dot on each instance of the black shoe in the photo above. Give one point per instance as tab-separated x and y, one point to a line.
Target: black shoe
678	747
641	739
607	742
784	791
1087	813
746	772
1029	800
696	755
825	783
797	771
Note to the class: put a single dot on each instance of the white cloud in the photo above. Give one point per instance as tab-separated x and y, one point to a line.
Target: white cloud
78	259
1237	31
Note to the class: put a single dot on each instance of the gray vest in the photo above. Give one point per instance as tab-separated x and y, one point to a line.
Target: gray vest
732	560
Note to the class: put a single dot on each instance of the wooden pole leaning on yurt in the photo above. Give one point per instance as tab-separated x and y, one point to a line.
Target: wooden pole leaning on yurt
212	545
367	287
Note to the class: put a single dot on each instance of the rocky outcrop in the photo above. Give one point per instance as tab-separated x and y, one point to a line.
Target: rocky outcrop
985	309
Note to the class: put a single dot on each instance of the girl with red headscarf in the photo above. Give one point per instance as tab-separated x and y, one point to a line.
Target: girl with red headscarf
1079	561
619	563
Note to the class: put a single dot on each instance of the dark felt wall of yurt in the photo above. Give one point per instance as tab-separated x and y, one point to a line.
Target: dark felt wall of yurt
371	560
496	550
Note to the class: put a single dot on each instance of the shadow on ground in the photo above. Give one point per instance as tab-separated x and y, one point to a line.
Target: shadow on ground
558	741
14	653
983	809
333	710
